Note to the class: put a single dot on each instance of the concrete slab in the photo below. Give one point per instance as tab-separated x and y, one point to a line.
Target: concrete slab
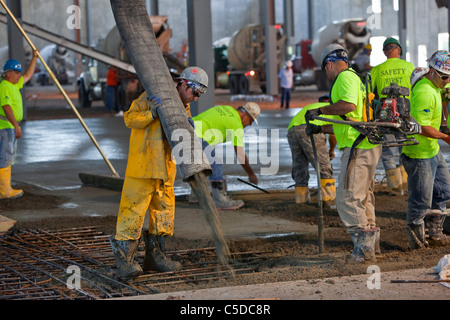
357	287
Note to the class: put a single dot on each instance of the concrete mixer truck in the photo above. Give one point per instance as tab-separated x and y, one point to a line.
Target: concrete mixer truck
352	34
92	81
240	60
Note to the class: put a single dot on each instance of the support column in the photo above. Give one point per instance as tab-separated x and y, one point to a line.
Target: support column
16	43
201	48
270	48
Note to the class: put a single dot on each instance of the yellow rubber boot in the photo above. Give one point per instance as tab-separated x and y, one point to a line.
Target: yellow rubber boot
6	192
328	189
302	195
394	180
404	177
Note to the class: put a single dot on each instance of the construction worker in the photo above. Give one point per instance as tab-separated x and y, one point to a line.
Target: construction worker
222	124
428	175
149	181
11	113
355	198
393	70
303	154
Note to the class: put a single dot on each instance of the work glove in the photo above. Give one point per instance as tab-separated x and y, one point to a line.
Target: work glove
313	129
154	104
447	139
311	115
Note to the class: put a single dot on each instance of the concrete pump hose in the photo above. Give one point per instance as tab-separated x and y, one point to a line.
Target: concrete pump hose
145	54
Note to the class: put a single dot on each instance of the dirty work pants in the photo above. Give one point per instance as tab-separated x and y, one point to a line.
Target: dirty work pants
355	199
428	186
303	155
390	157
138	195
216	163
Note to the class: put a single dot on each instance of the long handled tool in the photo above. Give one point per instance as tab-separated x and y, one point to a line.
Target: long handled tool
33	47
253	185
320	218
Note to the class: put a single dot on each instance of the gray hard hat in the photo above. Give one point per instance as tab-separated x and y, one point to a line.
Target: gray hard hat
336	50
197	76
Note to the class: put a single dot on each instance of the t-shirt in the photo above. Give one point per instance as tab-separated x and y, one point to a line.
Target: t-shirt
392	71
426	109
286	78
299	118
220	124
10	95
348	87
111	78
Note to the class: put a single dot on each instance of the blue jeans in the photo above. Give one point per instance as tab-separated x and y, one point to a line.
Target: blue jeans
111	98
8	144
428	186
391	157
216	164
285	97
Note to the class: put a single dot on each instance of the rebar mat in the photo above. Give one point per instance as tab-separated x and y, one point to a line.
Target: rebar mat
78	263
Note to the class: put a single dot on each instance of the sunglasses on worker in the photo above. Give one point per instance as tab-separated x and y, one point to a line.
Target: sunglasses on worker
194	91
443	77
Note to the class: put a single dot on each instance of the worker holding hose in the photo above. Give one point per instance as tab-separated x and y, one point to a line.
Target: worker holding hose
11	113
303	154
149	180
355	198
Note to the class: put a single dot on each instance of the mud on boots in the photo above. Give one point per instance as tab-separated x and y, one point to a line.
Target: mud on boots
328	189
6	191
302	195
394	180
221	198
434	222
364	244
415	233
155	258
124	253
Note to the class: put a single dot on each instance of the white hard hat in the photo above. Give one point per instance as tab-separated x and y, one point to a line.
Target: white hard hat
253	110
417	74
197	77
440	61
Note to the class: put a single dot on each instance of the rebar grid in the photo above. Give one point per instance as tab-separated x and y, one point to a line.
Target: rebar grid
34	266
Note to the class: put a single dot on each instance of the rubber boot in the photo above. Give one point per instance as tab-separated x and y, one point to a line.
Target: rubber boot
416	236
363	245
302	195
404	178
377	241
394	180
328	189
221	198
434	222
155	258
124	253
6	192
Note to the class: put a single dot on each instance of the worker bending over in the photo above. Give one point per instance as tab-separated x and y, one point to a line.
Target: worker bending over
222	124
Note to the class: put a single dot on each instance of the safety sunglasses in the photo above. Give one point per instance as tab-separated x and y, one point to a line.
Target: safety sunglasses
195	92
443	77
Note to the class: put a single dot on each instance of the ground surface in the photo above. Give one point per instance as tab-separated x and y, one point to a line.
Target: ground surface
287	257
